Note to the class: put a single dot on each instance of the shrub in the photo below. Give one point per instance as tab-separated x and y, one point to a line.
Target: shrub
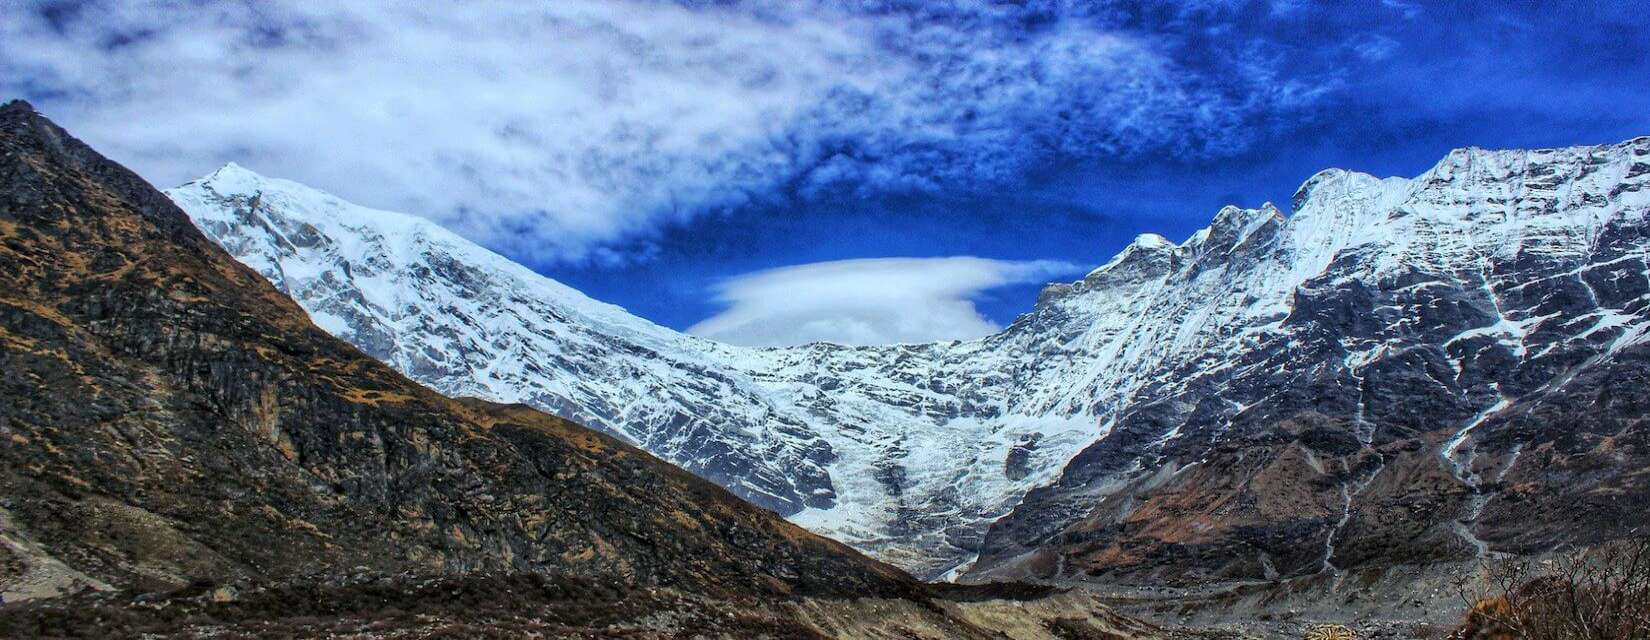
1598	593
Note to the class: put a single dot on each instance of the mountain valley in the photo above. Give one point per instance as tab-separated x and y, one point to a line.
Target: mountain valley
1395	380
1394	373
186	455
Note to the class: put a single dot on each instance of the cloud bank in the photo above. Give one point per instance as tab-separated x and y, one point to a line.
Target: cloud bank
867	302
561	130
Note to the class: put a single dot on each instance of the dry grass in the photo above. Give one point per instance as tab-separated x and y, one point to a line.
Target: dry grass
1600	593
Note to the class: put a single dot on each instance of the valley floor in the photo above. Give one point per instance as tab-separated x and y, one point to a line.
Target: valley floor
536	606
1399	602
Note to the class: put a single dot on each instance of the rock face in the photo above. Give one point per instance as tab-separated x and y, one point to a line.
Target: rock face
1353	383
169	418
1401	371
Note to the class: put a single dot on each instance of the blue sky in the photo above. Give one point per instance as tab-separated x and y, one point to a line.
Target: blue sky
680	158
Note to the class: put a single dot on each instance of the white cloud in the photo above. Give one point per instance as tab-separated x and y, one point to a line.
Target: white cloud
557	130
871	301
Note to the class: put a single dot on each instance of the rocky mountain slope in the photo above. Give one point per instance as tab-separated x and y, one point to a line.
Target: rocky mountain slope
1276	395
1402	371
184	453
165	407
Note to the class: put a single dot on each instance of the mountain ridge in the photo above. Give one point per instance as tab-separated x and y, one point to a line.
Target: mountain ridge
912	452
173	417
1488	281
356	268
184	454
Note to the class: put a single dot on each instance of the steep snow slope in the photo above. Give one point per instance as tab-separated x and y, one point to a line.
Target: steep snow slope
871	447
468	322
912	451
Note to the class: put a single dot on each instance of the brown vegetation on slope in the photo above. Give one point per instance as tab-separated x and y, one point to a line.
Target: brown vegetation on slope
182	454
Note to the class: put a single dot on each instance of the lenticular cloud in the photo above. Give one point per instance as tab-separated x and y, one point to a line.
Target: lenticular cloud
867	302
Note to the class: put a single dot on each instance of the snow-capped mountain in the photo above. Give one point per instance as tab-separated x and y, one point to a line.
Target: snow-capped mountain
1256	400
894	450
468	322
1449	366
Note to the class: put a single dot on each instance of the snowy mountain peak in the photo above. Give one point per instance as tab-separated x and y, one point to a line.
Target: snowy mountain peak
234	178
1385	331
228	168
911	452
1238	220
1146	247
1312	184
1151	241
325	228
